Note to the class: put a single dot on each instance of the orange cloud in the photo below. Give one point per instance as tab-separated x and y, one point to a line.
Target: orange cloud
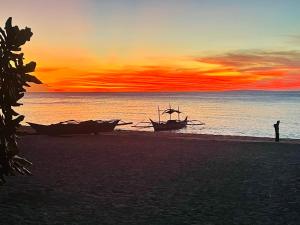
255	70
48	69
159	79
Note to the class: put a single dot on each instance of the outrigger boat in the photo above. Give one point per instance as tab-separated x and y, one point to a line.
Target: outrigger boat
170	124
76	127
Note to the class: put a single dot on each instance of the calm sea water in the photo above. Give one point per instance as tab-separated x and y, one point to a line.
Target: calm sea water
226	113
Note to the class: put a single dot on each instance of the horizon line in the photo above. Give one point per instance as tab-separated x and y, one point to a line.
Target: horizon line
116	92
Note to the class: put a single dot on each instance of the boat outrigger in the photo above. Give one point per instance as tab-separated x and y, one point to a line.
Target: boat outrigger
170	124
76	127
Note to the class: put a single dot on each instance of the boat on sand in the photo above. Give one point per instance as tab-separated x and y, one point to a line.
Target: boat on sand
76	127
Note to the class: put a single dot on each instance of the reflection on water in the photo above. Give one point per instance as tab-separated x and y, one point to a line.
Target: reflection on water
230	113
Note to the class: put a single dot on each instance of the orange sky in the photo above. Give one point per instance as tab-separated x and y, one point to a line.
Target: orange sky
161	45
255	70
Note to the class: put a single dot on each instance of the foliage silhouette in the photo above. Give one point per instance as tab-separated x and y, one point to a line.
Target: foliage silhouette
14	76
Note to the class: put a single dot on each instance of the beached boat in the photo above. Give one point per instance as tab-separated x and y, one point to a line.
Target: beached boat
75	127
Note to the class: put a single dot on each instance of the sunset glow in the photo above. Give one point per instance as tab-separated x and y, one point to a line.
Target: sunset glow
124	46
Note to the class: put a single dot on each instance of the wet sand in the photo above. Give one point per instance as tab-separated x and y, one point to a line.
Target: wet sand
151	178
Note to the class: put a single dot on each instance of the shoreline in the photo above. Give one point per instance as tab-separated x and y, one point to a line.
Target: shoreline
27	130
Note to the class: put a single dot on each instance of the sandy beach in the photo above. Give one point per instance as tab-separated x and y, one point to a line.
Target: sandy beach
150	178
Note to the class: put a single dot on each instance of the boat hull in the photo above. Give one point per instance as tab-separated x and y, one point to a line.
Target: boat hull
86	127
169	125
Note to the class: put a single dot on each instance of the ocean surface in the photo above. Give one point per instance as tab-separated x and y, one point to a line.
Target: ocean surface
245	113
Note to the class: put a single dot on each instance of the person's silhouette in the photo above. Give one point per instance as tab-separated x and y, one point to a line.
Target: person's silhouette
276	126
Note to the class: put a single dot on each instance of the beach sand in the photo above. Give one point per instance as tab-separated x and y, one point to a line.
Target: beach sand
150	178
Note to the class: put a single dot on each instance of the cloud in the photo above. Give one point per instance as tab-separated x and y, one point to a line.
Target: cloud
158	79
255	59
49	69
257	70
275	70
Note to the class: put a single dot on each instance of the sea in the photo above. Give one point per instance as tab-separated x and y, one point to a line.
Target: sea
243	113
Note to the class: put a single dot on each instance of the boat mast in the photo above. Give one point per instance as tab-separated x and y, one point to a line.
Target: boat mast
158	114
170	109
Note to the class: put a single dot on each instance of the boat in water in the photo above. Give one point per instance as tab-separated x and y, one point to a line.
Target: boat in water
76	127
170	124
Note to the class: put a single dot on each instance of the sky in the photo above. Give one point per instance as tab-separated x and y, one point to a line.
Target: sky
169	45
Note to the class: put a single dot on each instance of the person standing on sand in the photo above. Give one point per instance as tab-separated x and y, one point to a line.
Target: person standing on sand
276	126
